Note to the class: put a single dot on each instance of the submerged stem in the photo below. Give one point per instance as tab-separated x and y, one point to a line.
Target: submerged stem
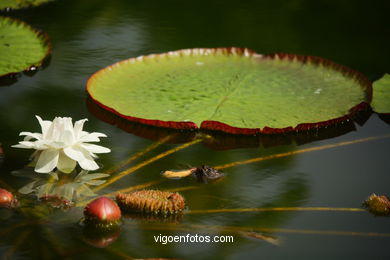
137	187
235	229
311	149
131	188
139	154
209	211
19	241
118	252
144	163
183	188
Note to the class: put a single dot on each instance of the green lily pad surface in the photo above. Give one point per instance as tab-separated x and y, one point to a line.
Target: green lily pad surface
232	90
17	4
381	95
21	47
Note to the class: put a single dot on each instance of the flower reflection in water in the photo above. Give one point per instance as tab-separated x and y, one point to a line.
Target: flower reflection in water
55	187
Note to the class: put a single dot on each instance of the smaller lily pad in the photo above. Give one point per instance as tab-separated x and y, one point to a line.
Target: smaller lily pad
381	95
21	47
18	4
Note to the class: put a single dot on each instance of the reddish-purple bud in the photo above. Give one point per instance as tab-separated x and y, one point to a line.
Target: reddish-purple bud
7	199
102	211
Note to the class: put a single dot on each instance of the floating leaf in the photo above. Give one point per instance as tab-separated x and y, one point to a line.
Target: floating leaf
21	46
17	4
231	90
381	95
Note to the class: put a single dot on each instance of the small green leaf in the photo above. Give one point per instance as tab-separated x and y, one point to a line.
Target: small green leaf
381	95
21	46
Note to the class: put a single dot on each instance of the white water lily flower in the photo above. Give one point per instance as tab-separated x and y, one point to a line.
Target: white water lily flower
63	145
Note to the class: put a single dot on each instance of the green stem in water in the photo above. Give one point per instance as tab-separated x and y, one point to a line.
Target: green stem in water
145	163
139	154
311	149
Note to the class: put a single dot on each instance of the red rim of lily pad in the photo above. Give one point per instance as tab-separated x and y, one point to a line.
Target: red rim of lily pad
44	37
222	127
220	140
150	132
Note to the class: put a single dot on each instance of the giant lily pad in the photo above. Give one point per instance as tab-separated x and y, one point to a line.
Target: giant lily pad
17	4
381	95
232	90
21	47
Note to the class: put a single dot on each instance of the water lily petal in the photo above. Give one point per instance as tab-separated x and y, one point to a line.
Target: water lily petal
93	155
47	161
30	136
82	156
78	127
67	134
91	137
53	130
93	148
66	164
75	153
24	145
88	164
42	145
45	124
68	137
55	144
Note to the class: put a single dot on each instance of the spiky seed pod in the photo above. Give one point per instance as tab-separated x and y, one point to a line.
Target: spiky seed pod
151	201
102	212
378	205
7	199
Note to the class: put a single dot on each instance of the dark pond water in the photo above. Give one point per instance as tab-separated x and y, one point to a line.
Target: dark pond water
89	35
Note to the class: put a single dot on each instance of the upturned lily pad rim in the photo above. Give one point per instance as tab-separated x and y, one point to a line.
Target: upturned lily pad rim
222	127
218	140
42	36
